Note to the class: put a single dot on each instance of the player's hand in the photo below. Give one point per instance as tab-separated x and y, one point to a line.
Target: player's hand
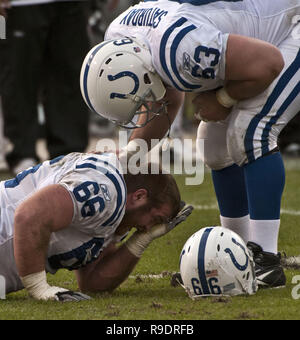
140	240
162	229
60	294
70	296
38	288
183	214
207	107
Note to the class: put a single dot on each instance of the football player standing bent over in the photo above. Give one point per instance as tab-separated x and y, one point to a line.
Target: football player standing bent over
70	212
242	60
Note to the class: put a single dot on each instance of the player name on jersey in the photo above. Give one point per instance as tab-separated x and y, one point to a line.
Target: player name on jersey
144	17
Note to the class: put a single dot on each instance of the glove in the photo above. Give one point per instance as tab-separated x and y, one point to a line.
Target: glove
185	211
69	296
38	288
140	240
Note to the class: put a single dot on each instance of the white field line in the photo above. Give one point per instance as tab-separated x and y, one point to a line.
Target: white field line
152	276
290	212
215	207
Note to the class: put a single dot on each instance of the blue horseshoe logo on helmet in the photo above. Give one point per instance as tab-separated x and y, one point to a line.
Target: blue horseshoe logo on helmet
121	75
233	259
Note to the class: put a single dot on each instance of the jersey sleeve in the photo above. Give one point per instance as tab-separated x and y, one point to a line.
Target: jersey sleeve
193	58
99	196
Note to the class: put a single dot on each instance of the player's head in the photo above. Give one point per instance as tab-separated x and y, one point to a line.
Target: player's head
216	261
118	81
152	195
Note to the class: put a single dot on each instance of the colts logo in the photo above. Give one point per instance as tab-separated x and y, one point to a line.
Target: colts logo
121	75
233	259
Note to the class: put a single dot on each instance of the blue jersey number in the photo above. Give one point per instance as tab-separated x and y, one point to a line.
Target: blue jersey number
83	193
206	52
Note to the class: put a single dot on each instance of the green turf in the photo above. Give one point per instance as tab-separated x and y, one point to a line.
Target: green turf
144	298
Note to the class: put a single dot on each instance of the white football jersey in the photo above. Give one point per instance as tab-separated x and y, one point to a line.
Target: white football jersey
188	38
96	185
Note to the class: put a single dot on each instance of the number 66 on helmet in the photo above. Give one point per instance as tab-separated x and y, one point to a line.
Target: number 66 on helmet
216	261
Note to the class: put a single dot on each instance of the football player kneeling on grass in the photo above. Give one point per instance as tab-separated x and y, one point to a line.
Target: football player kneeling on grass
71	212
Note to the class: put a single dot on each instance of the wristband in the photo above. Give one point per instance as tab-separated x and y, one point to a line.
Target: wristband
35	283
224	98
38	288
140	240
137	243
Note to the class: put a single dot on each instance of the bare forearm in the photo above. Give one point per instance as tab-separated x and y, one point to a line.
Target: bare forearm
156	129
115	264
241	90
109	271
30	248
48	210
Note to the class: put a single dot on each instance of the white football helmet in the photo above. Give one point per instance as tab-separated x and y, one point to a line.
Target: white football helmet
216	261
117	78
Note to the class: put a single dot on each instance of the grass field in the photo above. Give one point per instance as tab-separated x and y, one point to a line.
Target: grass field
146	297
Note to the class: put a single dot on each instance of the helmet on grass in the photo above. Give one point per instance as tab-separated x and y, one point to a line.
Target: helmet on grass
216	261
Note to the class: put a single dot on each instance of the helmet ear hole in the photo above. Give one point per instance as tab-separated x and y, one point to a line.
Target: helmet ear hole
147	79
